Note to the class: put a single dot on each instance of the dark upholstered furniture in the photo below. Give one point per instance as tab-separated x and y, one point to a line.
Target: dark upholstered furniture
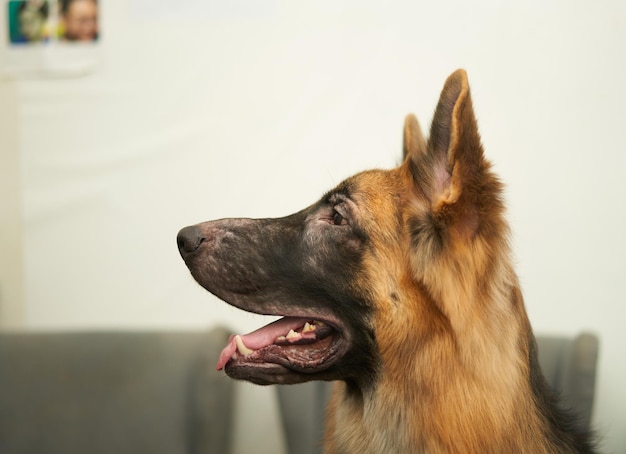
115	392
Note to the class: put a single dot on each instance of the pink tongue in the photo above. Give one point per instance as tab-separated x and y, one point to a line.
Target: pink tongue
261	337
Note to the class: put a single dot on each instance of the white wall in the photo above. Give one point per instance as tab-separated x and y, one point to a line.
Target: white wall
239	113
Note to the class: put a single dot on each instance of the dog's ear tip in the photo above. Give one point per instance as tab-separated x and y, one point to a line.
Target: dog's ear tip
460	73
411	125
456	86
458	77
414	143
410	118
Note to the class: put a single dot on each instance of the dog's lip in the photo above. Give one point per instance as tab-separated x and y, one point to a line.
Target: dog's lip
260	338
265	338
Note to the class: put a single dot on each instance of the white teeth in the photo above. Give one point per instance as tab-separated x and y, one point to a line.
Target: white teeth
241	347
294	336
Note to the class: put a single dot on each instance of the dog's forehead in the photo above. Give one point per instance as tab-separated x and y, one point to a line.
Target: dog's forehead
368	185
372	196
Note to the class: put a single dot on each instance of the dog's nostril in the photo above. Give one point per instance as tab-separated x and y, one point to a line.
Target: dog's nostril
189	239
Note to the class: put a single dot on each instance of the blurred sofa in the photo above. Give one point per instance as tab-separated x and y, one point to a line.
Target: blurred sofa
159	392
114	393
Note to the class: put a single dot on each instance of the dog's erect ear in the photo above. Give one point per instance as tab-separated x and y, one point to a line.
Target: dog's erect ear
414	143
455	156
457	209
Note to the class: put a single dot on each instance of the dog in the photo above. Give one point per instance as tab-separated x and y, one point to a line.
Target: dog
399	285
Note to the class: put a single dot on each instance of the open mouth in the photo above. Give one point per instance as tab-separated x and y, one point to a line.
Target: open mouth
290	344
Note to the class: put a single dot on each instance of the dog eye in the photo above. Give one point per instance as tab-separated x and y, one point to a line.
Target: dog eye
338	219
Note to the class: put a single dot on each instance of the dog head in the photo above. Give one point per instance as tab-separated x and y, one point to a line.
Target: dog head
420	246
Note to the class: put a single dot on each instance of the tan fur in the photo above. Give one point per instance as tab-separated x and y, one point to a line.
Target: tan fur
450	323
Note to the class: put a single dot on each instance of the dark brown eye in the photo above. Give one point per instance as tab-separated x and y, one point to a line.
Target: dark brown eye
338	219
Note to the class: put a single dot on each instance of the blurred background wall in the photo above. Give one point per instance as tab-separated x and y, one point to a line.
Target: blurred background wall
201	110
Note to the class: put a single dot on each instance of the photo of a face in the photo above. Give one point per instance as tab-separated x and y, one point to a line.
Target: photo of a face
78	20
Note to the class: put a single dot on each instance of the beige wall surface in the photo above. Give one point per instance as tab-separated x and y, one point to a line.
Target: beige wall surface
11	250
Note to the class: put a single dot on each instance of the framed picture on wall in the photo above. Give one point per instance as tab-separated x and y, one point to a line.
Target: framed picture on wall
49	37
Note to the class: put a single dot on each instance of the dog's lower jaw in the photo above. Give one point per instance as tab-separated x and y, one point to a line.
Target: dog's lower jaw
262	374
289	364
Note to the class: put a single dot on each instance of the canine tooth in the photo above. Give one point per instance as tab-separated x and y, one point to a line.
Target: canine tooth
292	335
308	328
241	347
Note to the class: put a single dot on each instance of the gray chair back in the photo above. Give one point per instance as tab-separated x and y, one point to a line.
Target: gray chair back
114	392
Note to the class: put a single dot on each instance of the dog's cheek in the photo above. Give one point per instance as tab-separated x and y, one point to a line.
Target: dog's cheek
330	251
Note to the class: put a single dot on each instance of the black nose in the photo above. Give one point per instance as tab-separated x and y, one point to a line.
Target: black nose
189	240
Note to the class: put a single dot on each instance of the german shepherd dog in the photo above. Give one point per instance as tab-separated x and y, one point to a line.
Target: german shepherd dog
399	285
